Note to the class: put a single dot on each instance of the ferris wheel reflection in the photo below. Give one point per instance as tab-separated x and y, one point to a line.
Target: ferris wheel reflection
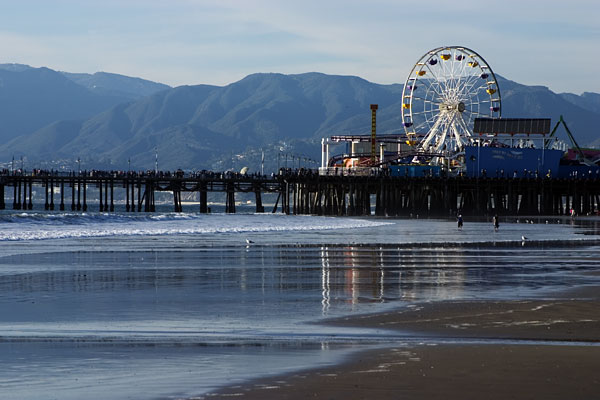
361	274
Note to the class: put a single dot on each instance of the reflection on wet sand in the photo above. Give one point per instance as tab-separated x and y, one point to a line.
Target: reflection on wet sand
341	274
376	275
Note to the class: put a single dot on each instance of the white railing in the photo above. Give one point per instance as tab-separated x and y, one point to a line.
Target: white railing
354	171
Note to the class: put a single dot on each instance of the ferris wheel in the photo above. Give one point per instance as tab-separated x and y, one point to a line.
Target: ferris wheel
445	91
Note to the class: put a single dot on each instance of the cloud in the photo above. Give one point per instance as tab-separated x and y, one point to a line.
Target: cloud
217	42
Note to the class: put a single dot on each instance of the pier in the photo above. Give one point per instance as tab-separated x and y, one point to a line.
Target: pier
306	192
136	191
443	196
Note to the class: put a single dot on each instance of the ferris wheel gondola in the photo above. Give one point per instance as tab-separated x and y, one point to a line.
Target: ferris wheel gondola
445	91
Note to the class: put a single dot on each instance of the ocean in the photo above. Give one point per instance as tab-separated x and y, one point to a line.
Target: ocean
170	306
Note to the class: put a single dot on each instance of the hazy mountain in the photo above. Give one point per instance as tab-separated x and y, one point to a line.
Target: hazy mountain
540	102
195	126
588	101
15	67
31	98
215	127
105	83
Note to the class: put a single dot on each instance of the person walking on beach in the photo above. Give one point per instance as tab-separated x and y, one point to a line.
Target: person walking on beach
459	220
496	222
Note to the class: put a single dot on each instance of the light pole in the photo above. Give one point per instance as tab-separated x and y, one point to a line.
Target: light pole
156	161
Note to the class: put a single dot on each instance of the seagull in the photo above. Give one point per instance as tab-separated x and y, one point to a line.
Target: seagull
249	241
523	238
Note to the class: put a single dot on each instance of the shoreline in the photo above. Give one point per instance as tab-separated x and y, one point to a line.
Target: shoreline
539	348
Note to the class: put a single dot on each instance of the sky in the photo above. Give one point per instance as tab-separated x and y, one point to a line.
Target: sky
186	42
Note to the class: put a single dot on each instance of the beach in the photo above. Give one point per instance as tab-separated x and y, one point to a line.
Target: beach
443	372
540	349
537	347
181	306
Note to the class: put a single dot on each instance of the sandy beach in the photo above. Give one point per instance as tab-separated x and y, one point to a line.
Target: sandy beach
537	349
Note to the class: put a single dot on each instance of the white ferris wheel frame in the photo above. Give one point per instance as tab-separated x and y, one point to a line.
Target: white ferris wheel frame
445	91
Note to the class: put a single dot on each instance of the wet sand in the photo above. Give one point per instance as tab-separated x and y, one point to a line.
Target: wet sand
538	349
444	372
557	320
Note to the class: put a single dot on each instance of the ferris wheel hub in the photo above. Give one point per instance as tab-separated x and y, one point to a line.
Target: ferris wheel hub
460	107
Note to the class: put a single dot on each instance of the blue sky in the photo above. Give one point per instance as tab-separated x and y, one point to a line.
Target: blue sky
550	43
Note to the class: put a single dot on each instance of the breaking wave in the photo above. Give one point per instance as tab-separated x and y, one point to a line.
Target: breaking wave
38	226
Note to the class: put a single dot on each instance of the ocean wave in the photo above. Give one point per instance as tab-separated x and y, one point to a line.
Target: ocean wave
43	226
79	218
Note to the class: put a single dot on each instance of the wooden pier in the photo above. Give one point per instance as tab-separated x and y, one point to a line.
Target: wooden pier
444	196
305	192
137	191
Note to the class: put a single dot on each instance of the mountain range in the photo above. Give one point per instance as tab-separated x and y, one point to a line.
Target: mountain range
114	121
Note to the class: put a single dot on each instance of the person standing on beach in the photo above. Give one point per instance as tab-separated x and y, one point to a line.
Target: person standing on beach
496	222
459	220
